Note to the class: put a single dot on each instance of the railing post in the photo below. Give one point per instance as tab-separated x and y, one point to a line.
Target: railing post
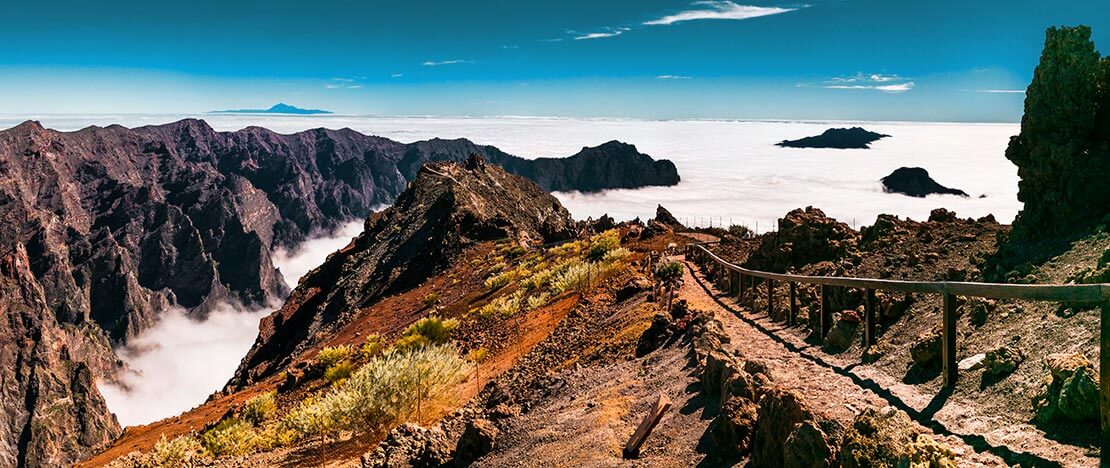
869	318
740	296
826	312
790	319
734	283
948	350
770	299
1104	383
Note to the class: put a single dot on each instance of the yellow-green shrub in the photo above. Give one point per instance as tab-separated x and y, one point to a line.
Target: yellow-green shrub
603	243
372	347
259	409
385	390
230	437
331	355
179	451
338	371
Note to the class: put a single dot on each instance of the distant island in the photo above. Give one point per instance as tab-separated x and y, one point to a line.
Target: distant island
842	138
915	182
279	108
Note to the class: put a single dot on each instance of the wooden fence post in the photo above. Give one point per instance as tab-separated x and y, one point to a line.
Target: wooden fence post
826	312
740	296
790	319
1104	384
734	283
948	347
869	318
770	299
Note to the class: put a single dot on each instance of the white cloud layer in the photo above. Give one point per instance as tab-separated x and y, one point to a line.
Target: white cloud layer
599	35
890	88
672	77
179	362
719	10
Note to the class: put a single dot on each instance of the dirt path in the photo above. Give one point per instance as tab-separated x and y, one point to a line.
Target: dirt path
835	391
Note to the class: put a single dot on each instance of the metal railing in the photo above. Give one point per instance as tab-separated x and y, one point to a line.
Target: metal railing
717	267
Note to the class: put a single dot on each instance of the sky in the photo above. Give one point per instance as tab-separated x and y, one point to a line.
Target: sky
940	60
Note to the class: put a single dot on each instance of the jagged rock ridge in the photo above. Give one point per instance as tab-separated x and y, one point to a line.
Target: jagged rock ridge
447	208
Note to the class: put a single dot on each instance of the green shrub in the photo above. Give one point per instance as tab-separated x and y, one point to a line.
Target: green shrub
431	299
331	355
179	451
372	347
602	244
385	390
538	300
500	280
430	330
231	437
617	255
259	409
338	372
582	276
667	272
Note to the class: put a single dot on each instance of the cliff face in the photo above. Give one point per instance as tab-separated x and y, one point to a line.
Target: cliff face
118	225
52	413
1063	150
447	208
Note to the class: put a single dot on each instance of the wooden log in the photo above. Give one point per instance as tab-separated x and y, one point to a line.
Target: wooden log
792	318
948	346
1104	384
632	448
869	318
826	312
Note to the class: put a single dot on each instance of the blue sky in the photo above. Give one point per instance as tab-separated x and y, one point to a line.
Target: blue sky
815	59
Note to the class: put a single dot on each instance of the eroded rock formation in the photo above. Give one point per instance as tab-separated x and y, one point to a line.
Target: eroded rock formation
841	138
915	182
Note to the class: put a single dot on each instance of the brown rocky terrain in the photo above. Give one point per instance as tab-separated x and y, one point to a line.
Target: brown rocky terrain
119	225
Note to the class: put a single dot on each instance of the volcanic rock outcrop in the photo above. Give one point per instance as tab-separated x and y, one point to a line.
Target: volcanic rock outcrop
840	138
915	182
1063	150
447	208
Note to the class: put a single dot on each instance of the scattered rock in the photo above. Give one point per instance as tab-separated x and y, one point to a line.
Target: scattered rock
733	427
1070	390
889	437
477	439
978	309
631	288
972	363
915	182
926	350
808	446
780	413
804	237
410	445
842	333
1003	360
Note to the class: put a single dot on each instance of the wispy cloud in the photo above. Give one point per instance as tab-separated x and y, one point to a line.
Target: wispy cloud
431	63
672	77
890	88
396	75
510	47
1001	91
611	32
719	10
871	81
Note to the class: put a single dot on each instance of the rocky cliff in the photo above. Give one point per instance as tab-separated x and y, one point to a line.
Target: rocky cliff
118	225
1063	150
447	208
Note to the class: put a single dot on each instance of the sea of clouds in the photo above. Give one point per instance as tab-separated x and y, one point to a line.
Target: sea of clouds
732	173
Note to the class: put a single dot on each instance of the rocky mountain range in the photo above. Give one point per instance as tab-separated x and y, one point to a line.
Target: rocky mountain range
107	227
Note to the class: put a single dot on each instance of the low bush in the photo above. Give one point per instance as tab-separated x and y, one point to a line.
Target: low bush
339	371
431	299
372	347
331	355
602	243
179	451
430	330
259	409
231	437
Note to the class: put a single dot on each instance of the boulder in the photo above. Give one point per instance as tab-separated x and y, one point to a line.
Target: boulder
1070	391
733	427
926	350
780	413
1003	360
410	445
915	182
843	332
478	438
808	446
719	364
